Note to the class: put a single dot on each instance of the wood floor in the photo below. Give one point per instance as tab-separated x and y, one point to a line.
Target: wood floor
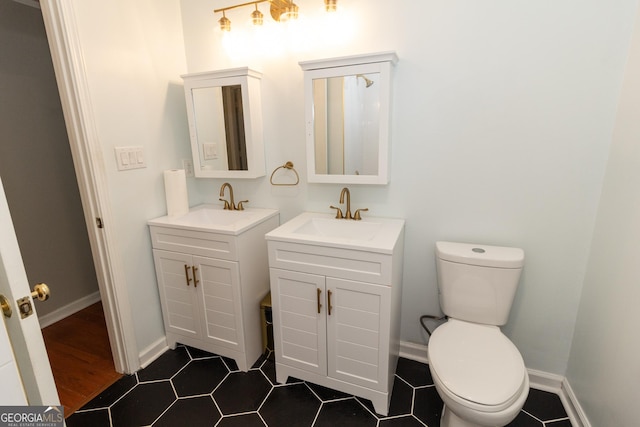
80	357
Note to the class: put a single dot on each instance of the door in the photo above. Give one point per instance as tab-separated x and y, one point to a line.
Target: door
300	331
220	301
12	391
24	334
179	299
358	332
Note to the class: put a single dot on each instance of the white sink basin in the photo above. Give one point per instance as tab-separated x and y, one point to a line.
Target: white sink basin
213	218
332	228
372	234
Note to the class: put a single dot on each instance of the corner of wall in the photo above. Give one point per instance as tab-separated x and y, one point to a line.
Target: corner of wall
572	405
152	352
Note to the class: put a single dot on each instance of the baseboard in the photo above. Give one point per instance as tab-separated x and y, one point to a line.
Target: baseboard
68	310
32	3
545	381
572	406
414	351
538	380
152	352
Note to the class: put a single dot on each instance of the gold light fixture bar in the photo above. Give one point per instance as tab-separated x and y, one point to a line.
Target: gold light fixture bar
224	9
280	10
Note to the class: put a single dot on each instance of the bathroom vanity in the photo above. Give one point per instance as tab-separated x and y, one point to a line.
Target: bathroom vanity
212	272
336	294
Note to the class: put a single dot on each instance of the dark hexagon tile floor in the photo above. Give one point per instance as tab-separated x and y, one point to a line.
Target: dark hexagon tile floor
242	392
192	412
190	387
292	406
200	376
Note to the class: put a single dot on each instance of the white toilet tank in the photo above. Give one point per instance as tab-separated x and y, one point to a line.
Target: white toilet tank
477	283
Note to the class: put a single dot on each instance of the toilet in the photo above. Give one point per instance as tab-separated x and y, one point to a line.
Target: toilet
478	372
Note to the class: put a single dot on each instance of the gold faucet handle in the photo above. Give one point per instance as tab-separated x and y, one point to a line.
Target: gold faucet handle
227	206
357	216
338	212
240	206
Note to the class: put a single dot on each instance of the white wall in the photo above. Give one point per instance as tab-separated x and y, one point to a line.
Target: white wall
133	53
603	367
503	114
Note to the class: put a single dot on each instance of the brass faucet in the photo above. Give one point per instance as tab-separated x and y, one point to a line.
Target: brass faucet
347	215
230	205
346	191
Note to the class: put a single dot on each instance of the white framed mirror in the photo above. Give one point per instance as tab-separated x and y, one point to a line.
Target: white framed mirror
347	111
224	109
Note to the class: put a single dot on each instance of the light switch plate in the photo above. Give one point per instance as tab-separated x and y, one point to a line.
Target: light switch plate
187	165
130	158
210	151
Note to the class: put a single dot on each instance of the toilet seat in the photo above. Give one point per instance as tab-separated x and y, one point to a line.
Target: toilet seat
477	365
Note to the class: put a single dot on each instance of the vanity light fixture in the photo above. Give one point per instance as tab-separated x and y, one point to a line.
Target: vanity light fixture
331	5
290	12
225	23
280	10
257	17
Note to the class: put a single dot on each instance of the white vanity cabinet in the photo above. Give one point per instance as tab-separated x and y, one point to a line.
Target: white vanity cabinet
211	285
336	315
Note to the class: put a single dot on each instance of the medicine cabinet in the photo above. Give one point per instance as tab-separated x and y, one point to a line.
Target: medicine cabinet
347	111
225	123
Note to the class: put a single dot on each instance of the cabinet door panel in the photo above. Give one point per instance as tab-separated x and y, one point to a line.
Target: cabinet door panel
221	319
302	357
302	322
358	332
357	371
301	306
179	301
219	290
299	337
358	336
299	330
365	320
361	353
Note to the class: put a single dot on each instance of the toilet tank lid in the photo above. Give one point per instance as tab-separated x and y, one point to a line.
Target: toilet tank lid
481	255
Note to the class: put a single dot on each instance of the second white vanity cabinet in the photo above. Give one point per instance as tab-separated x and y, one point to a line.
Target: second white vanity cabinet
336	313
332	327
211	285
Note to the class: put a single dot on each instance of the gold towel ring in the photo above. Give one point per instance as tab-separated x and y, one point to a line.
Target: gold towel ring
288	165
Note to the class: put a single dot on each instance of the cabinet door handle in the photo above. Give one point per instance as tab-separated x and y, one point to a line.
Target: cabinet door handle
329	303
194	269
319	304
186	273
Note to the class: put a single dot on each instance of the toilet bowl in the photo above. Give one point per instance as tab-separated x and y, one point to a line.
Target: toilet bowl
478	373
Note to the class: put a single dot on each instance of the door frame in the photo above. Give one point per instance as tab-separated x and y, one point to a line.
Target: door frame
73	87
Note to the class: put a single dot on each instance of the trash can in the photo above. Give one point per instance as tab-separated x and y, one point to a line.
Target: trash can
266	318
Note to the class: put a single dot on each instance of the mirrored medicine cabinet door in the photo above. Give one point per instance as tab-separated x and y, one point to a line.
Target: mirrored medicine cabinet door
225	123
347	110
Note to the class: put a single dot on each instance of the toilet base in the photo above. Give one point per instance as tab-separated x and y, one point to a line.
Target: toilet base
449	419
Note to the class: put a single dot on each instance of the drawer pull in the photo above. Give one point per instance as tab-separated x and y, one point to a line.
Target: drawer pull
319	304
329	303
186	273
194	269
